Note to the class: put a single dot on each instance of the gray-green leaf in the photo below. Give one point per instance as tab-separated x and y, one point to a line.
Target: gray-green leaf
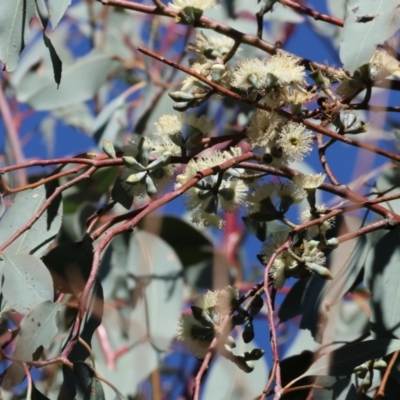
15	16
26	204
80	82
38	330
26	282
367	23
57	9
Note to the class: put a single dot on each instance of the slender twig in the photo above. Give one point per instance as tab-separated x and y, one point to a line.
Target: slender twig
380	394
324	162
270	316
317	128
12	135
45	205
128	226
312	13
29	381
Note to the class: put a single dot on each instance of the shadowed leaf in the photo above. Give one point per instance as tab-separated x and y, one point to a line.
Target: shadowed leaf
55	60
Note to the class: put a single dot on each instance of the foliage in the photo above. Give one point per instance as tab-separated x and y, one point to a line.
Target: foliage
209	134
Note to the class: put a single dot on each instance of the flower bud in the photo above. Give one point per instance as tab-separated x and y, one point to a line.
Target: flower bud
217	73
108	148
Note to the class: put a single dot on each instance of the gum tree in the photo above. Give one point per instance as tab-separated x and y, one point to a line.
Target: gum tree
103	294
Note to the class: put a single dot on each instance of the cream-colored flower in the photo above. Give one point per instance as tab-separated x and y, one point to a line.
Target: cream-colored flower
206	219
309	182
278	71
190	82
249	71
296	96
296	141
264	126
169	125
286	69
283	261
260	194
184	333
232	194
382	65
180	5
311	254
211	47
320	211
290	190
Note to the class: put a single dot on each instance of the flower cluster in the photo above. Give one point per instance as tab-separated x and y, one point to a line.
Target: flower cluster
210	47
209	318
275	79
278	140
212	193
182	129
299	261
271	200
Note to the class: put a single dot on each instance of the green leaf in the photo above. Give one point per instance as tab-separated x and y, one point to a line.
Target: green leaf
42	13
26	282
341	362
367	23
110	124
226	378
88	385
80	82
57	9
77	115
70	264
55	60
38	330
383	280
150	258
190	244
126	364
26	204
2	206
15	16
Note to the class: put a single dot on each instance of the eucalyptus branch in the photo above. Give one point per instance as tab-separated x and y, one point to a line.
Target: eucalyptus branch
324	162
312	13
317	128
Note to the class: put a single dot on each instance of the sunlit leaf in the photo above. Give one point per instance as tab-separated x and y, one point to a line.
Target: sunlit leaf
149	257
26	282
367	23
38	329
80	82
26	204
15	16
57	9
